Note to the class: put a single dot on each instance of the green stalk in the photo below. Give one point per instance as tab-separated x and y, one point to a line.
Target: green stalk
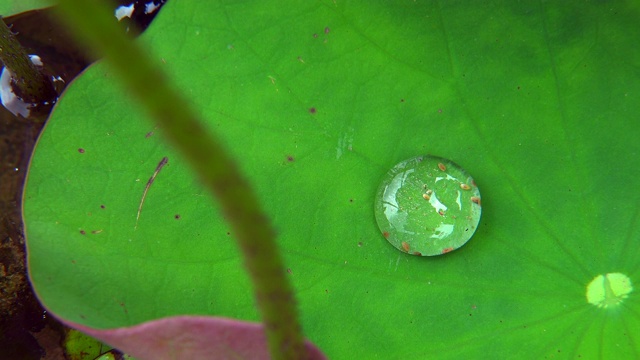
214	166
30	84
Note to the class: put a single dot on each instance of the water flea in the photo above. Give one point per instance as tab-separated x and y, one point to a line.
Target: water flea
176	216
289	270
350	200
149	134
609	290
326	30
401	100
315	36
83	232
102	207
228	233
81	150
290	158
312	110
97	231
518	87
425	207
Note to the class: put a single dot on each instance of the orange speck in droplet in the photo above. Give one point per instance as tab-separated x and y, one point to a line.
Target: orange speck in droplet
417	253
476	200
385	234
426	196
442	167
405	246
464	186
446	250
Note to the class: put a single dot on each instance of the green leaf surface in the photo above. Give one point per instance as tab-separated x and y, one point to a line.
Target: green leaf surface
538	101
10	7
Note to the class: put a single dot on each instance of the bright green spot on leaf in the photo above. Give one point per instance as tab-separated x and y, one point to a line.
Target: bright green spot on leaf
427	206
609	289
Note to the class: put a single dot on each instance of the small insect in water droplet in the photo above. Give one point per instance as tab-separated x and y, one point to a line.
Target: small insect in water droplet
464	186
405	246
476	200
426	196
442	167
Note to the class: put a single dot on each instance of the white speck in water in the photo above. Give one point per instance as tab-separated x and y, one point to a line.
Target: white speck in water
150	7
124	11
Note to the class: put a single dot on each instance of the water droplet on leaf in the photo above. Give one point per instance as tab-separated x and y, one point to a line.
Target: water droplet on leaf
427	206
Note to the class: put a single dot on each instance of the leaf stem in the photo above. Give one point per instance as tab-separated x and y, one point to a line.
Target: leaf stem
29	83
215	167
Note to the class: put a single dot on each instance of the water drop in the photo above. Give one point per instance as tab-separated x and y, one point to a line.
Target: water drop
427	206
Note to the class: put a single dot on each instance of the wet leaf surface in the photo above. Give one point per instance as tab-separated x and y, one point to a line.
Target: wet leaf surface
317	102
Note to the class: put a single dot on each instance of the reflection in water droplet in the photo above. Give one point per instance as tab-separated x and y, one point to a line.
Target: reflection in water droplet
427	206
